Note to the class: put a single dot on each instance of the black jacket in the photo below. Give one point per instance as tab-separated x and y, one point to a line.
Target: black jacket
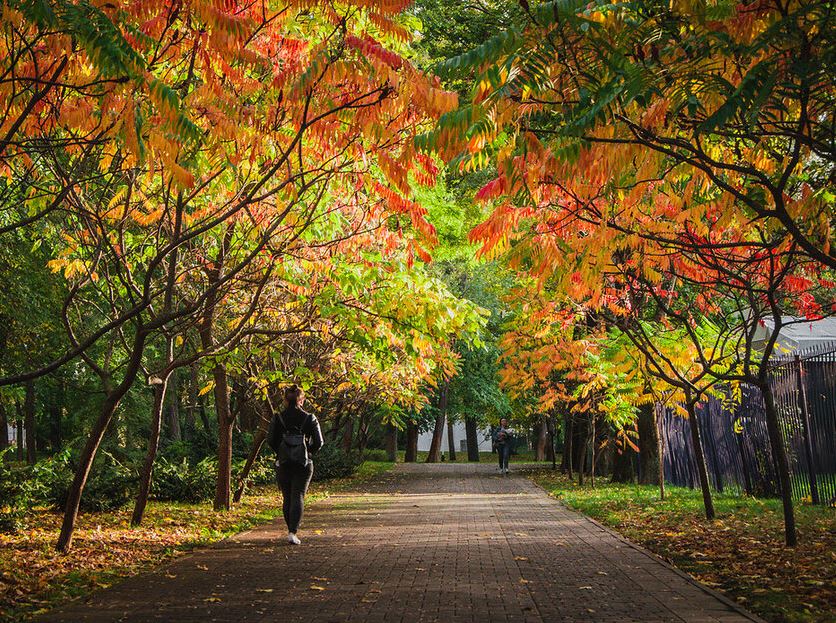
296	420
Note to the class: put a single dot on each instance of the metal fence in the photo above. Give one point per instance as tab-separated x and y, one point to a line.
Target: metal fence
735	441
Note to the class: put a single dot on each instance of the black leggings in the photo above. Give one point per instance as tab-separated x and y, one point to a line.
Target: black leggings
293	481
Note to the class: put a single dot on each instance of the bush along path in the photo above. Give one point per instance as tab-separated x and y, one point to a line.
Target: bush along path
445	542
741	553
34	577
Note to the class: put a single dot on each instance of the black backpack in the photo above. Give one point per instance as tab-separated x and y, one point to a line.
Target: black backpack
292	448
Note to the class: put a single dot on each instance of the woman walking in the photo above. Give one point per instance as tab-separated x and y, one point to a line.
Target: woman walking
502	439
294	435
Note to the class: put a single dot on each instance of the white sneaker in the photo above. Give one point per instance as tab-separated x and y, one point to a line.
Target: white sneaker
293	539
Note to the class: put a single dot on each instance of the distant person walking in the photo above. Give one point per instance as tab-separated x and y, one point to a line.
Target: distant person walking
295	435
502	438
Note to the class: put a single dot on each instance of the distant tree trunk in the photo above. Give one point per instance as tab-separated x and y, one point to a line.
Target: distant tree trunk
542	440
173	410
779	451
661	445
19	434
648	445
391	442
29	424
594	446
551	432
568	450
472	434
702	471
411	453
623	470
451	442
56	410
151	454
434	455
348	434
4	427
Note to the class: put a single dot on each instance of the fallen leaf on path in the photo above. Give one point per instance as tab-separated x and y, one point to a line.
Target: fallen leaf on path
520	558
314	587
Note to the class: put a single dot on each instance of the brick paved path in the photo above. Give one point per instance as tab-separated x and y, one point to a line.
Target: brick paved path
451	543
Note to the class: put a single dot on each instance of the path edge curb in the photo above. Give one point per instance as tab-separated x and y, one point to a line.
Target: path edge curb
655	557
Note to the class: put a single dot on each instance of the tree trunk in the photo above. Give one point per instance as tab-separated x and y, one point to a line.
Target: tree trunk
542	440
85	462
451	442
258	442
648	445
391	442
702	471
4	427
348	434
434	455
411	453
29	423
568	450
658	423
581	459
173	409
151	454
779	452
594	443
56	410
225	422
19	433
472	434
623	470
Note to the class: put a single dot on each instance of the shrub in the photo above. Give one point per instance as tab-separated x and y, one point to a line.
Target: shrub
376	455
13	495
183	482
110	484
332	462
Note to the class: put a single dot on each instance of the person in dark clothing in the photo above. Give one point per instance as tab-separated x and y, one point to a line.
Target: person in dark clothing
502	438
293	479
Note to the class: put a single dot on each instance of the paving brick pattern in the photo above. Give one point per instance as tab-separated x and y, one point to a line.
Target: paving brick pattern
451	543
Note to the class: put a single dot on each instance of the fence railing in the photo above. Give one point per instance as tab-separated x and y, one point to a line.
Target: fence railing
738	455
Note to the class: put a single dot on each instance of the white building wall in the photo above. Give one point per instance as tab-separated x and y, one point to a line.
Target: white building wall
459	437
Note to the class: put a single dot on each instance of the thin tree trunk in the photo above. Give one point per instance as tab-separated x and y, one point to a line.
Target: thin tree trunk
568	451
411	453
391	442
348	434
542	440
782	464
173	409
225	422
151	454
451	442
702	470
258	442
582	461
594	443
660	440
108	408
472	435
4	427
29	423
19	433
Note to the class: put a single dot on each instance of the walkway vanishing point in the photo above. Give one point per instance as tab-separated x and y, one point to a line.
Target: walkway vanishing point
448	543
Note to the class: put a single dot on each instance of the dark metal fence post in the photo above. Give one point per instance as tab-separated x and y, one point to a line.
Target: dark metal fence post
808	440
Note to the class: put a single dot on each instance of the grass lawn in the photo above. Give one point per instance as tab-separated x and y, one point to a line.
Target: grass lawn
34	577
741	553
